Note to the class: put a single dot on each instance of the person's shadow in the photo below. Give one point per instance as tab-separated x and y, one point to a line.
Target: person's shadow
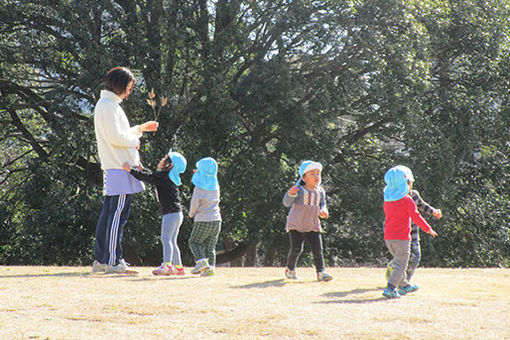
264	284
10	276
353	292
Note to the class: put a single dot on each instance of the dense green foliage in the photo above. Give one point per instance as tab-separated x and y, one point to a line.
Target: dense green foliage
261	85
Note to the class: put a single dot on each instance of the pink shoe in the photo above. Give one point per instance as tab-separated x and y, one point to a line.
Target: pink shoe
180	271
163	270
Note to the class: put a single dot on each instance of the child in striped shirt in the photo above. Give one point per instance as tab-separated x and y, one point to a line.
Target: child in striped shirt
307	202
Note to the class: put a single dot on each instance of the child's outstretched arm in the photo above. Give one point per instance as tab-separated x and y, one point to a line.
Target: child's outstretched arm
418	219
290	196
432	233
144	175
424	206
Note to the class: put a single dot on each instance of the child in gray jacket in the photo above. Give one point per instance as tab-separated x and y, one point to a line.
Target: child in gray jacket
205	210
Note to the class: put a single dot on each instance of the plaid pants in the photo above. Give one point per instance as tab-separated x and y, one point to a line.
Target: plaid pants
203	239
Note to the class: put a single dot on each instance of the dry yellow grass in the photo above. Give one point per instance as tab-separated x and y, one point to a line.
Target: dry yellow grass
251	303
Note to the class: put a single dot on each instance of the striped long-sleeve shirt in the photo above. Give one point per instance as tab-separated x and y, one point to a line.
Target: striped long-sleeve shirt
423	207
305	206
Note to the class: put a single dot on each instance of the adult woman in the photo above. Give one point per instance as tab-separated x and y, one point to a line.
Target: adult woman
117	142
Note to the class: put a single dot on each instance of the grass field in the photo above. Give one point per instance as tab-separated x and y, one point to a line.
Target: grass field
251	303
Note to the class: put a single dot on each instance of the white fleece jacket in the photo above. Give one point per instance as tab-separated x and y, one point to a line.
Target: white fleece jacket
116	140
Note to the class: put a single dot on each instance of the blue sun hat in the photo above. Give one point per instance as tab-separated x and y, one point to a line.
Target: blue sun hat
396	183
307	166
179	167
407	171
205	177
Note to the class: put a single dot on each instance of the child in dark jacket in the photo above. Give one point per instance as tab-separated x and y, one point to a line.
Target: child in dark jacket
167	181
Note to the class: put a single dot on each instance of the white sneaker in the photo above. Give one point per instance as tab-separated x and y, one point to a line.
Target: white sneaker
121	268
98	267
291	274
323	276
201	266
163	270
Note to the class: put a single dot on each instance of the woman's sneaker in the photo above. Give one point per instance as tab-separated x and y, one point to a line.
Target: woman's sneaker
323	276
98	267
201	266
390	293
164	269
122	268
291	274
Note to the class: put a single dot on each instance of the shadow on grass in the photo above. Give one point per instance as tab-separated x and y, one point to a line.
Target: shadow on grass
359	301
83	274
88	274
264	284
165	278
353	292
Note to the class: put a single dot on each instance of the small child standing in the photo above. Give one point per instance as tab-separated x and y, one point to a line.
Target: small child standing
167	181
423	207
204	208
307	202
400	209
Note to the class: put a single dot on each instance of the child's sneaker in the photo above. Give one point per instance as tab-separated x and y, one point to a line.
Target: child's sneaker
407	289
291	274
390	293
98	267
208	272
179	271
201	266
121	268
389	270
164	269
323	276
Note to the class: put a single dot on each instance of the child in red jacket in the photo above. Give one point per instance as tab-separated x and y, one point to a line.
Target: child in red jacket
400	209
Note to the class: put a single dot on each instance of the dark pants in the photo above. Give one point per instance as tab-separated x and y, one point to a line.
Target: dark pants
297	239
109	229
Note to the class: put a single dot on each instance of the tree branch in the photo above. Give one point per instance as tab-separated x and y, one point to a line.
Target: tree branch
24	131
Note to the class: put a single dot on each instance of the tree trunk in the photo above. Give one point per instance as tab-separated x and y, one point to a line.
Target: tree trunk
270	256
250	258
233	254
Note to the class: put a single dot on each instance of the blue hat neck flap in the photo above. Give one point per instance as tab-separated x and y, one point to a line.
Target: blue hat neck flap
206	175
396	184
179	167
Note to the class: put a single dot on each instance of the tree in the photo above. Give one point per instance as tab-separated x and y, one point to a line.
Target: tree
260	86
